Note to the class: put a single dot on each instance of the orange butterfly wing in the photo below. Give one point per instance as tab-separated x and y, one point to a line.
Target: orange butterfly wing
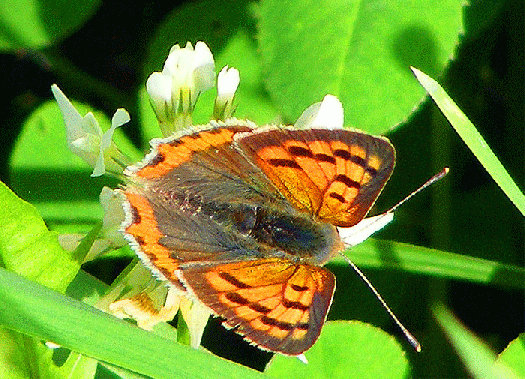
335	175
163	225
274	303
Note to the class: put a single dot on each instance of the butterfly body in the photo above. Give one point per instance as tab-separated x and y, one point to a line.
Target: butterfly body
243	219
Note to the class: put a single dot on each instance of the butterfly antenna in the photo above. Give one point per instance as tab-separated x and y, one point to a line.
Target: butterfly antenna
411	339
430	181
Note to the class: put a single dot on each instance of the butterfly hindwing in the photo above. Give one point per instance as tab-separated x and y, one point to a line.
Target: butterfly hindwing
274	303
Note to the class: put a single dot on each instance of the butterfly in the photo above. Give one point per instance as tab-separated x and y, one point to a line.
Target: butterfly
243	219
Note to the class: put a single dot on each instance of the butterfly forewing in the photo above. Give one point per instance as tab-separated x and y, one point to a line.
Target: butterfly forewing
165	221
171	152
335	175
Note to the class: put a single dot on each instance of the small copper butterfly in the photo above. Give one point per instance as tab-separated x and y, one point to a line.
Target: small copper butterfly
244	218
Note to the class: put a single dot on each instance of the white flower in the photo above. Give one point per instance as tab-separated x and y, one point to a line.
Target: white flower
190	67
85	138
186	74
227	83
327	114
107	147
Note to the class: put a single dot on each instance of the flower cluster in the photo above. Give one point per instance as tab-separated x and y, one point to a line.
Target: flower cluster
173	92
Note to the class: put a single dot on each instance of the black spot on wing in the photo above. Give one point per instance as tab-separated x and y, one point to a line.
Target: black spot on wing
347	181
233	280
276	162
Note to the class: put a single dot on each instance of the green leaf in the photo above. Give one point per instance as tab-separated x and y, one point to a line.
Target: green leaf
22	357
514	355
477	357
29	248
475	142
359	51
423	260
36	24
122	373
13	357
346	349
93	333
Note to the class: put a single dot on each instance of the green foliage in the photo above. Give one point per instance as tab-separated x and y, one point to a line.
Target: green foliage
357	51
478	358
514	355
29	248
89	331
289	54
474	140
370	352
37	24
